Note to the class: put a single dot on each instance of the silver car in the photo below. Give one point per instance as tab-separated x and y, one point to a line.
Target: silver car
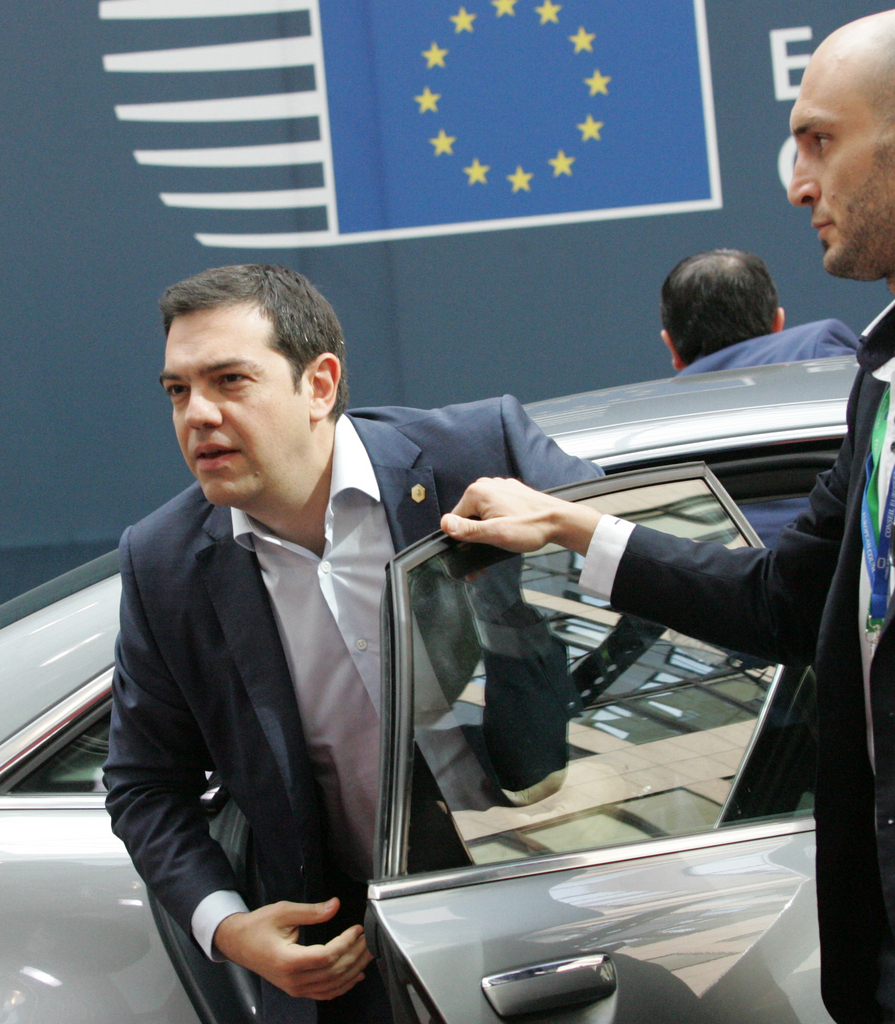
584	817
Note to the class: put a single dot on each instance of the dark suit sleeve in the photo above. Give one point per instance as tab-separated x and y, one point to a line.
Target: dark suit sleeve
155	773
536	459
766	602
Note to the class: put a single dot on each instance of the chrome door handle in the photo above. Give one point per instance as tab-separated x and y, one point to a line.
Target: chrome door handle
546	986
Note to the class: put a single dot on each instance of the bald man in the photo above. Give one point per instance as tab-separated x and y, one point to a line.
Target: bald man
823	596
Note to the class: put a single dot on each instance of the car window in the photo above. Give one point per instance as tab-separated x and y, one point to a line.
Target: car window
552	722
74	764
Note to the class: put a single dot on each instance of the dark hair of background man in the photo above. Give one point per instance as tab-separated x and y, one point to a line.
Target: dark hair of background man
304	323
715	299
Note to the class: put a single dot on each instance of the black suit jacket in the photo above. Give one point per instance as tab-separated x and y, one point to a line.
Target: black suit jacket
798	604
202	682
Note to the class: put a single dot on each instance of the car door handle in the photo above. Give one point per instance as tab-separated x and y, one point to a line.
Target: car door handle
547	986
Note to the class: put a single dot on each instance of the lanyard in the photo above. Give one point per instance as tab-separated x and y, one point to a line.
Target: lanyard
876	532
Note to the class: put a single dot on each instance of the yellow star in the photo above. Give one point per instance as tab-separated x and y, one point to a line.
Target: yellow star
434	56
548	12
443	143
428	100
477	171
463	20
583	40
505	6
598	83
590	129
561	164
520	179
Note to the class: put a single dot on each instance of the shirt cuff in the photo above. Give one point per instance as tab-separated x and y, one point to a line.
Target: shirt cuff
604	554
209	914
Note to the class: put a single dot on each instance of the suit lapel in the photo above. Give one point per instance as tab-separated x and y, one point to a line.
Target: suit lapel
237	592
411	513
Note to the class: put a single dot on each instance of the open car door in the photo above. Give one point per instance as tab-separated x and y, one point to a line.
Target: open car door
584	816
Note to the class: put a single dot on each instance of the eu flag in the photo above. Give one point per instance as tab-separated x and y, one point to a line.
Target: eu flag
452	117
317	122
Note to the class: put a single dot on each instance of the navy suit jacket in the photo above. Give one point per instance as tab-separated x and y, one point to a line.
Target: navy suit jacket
798	604
201	679
817	340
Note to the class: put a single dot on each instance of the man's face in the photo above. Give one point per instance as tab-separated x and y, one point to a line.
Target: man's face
844	170
245	431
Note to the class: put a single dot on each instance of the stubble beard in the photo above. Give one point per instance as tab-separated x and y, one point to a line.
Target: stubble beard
867	251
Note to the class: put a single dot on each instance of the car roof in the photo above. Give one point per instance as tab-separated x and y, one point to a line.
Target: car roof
702	412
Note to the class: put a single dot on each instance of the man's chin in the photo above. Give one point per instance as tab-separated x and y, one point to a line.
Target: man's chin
845	265
219	494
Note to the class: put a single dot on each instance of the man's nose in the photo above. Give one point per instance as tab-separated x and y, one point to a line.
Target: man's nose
201	411
803	188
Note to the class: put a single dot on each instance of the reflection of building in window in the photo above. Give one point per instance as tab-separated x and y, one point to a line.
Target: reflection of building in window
654	755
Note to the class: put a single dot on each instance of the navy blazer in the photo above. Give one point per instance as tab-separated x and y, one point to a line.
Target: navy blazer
202	682
798	604
817	340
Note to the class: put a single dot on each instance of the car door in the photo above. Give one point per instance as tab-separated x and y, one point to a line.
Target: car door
584	816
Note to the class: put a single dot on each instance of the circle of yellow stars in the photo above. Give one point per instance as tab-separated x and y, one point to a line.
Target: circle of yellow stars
520	180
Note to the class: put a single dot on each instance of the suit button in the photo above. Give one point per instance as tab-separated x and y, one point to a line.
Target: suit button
361	645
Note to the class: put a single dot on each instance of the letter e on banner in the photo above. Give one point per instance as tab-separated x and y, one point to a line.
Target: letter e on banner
784	63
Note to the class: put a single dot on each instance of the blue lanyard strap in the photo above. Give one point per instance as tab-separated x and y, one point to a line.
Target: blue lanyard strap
876	531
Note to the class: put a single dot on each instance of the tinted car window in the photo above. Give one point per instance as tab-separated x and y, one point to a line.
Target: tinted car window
71	764
551	722
77	767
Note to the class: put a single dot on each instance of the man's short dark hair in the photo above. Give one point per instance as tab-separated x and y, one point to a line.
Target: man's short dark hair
304	323
715	299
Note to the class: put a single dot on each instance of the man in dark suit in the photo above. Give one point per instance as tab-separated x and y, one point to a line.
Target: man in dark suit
249	626
824	595
720	309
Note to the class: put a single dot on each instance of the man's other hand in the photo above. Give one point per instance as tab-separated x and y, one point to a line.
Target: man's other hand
266	942
510	515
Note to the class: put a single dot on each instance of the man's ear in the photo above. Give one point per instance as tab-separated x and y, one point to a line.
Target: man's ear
676	360
322	376
779	320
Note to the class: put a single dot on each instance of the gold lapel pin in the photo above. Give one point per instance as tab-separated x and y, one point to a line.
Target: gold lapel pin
418	493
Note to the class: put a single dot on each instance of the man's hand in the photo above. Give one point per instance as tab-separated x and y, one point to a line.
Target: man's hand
266	942
514	517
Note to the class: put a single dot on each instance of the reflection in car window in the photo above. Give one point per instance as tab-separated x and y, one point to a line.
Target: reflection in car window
76	768
552	722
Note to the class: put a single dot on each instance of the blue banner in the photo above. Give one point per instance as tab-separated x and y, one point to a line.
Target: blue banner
314	122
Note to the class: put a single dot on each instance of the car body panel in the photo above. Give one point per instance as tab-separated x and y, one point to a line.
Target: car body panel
690	934
78	942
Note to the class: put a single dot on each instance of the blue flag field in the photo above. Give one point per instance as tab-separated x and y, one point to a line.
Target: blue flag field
498	113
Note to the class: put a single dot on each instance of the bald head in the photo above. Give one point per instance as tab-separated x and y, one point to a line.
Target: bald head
861	55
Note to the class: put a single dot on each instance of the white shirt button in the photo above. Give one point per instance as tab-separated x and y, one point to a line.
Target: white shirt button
361	645
325	566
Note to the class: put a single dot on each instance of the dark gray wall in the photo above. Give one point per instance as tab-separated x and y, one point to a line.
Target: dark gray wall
534	311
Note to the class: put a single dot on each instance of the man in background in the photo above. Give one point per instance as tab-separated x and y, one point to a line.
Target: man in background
720	309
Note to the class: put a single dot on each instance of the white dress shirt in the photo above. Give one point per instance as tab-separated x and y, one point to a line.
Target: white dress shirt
327	614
